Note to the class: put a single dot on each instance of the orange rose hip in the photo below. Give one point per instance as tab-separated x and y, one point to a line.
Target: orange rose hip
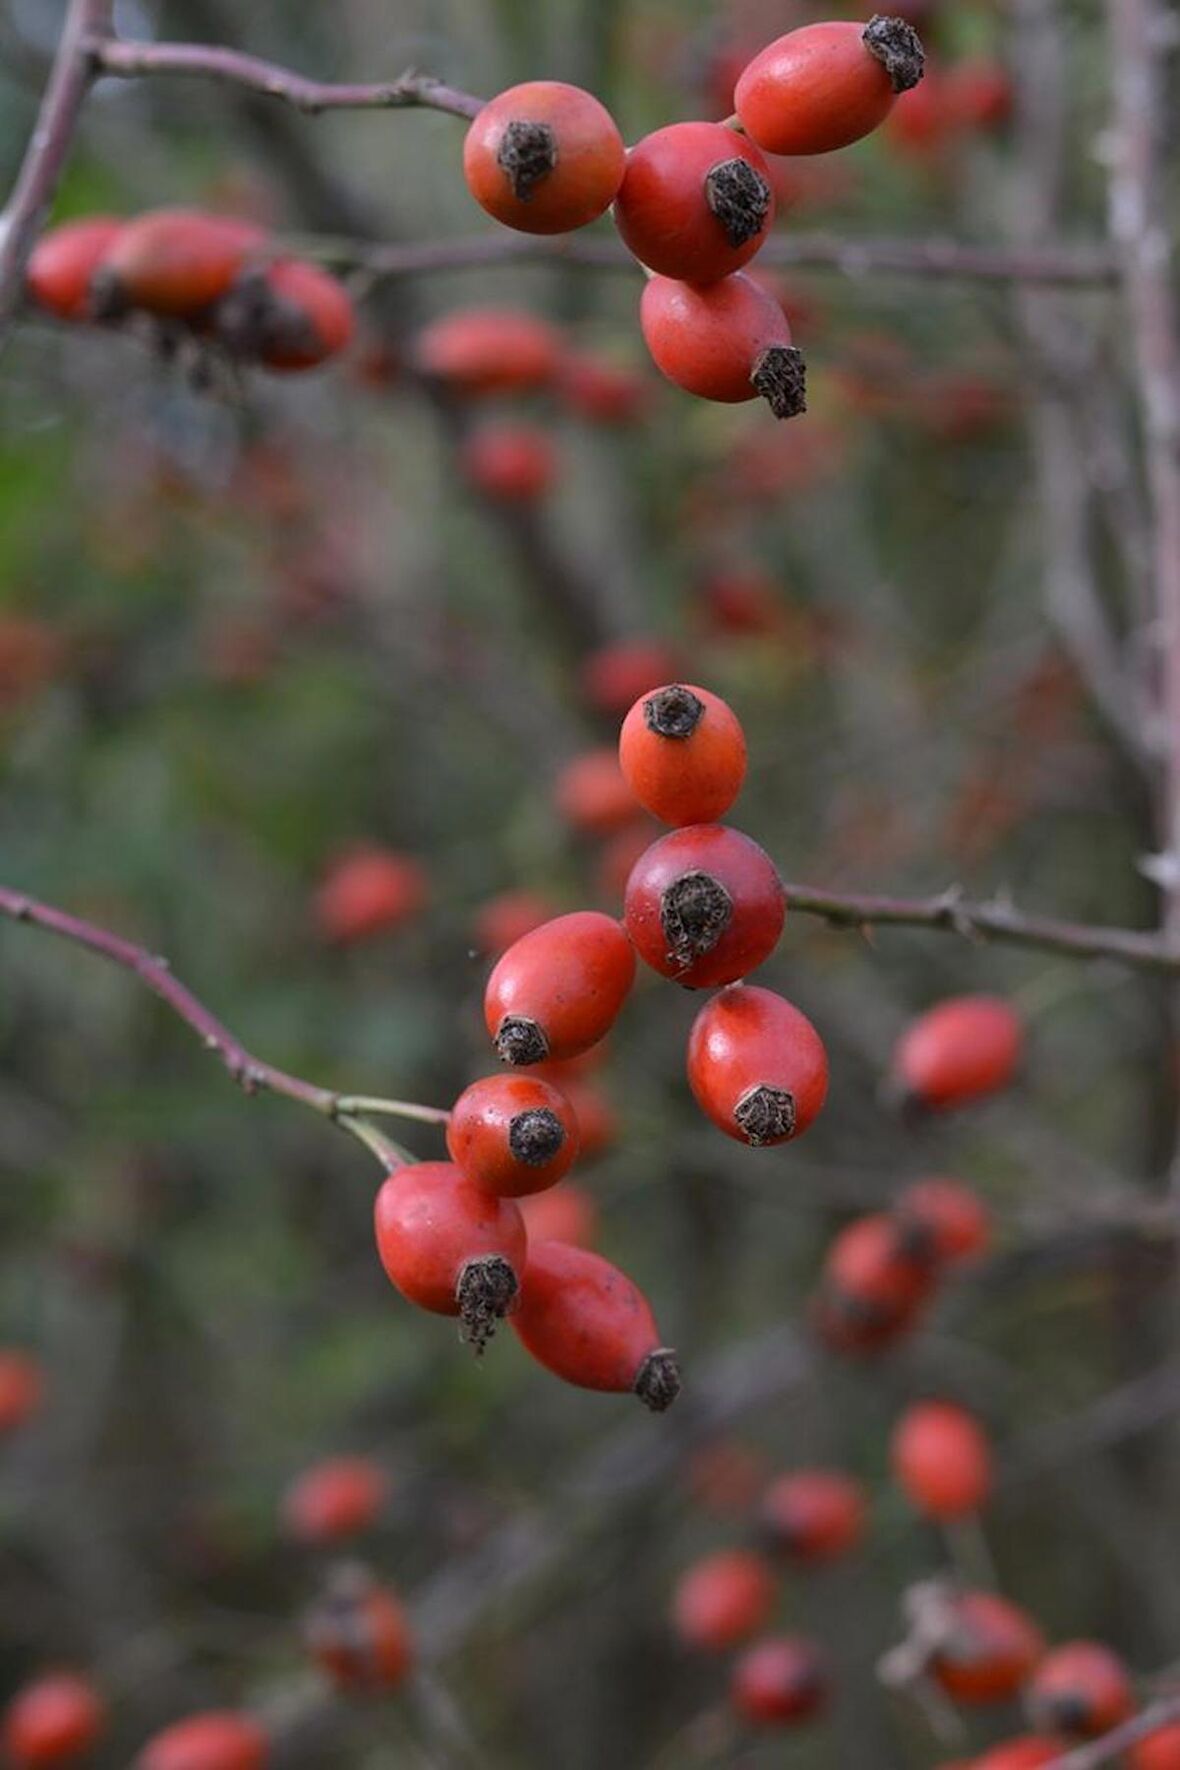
756	1066
558	990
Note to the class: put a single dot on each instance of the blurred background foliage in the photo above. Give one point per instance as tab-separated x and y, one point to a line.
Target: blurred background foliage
240	632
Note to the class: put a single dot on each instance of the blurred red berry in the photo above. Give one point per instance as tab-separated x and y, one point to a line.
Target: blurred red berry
369	891
723	1599
338	1498
56	1719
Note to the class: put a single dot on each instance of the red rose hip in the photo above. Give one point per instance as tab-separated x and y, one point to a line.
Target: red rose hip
813	1514
219	1740
723	1599
696	201
64	260
513	1134
729	341
682	751
756	1066
358	1633
558	990
586	1321
449	1247
778	1682
941	1459
704	906
825	85
959	1051
1081	1689
544	157
54	1720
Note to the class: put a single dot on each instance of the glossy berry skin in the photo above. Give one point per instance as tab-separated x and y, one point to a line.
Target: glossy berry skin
813	1515
175	263
1026	1753
682	751
334	1500
359	1634
941	1459
729	341
367	892
22	1387
946	1216
292	315
64	260
218	1740
756	1066
513	1134
1080	1689
57	1719
565	1213
592	796
704	906
696	201
778	1682
510	463
1158	1751
586	1321
723	1599
816	89
544	157
990	1649
559	989
480	352
959	1051
443	1242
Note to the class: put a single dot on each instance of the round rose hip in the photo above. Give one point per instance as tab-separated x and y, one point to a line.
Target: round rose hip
941	1459
756	1066
513	1134
544	157
696	201
704	906
778	1682
56	1719
683	754
723	1599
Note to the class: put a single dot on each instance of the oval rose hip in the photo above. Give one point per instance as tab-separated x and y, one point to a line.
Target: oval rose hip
558	990
941	1459
589	1324
56	1719
756	1066
174	262
729	341
64	260
704	906
450	1248
722	1599
825	85
958	1051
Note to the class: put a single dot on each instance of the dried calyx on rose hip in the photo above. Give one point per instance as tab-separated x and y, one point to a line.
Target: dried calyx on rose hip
358	1632
287	315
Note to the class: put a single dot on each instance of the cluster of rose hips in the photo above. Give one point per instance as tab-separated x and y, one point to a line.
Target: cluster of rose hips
703	907
215	280
694	201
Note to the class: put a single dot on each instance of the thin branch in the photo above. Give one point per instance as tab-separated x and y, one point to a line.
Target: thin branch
1081	266
249	1072
996	920
1110	1747
48	148
1140	228
135	61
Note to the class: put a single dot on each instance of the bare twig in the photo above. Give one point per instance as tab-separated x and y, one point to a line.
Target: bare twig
1110	1747
48	148
995	920
249	1072
1080	266
135	61
1140	228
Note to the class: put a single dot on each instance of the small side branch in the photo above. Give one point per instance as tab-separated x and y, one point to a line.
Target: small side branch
136	61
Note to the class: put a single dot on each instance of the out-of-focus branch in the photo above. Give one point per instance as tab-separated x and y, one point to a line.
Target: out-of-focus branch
1111	1746
135	61
994	920
1077	266
249	1072
1140	228
48	148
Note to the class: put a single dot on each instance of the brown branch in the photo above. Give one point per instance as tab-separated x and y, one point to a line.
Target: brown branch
995	920
1140	228
1080	266
135	61
48	149
249	1072
1110	1747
